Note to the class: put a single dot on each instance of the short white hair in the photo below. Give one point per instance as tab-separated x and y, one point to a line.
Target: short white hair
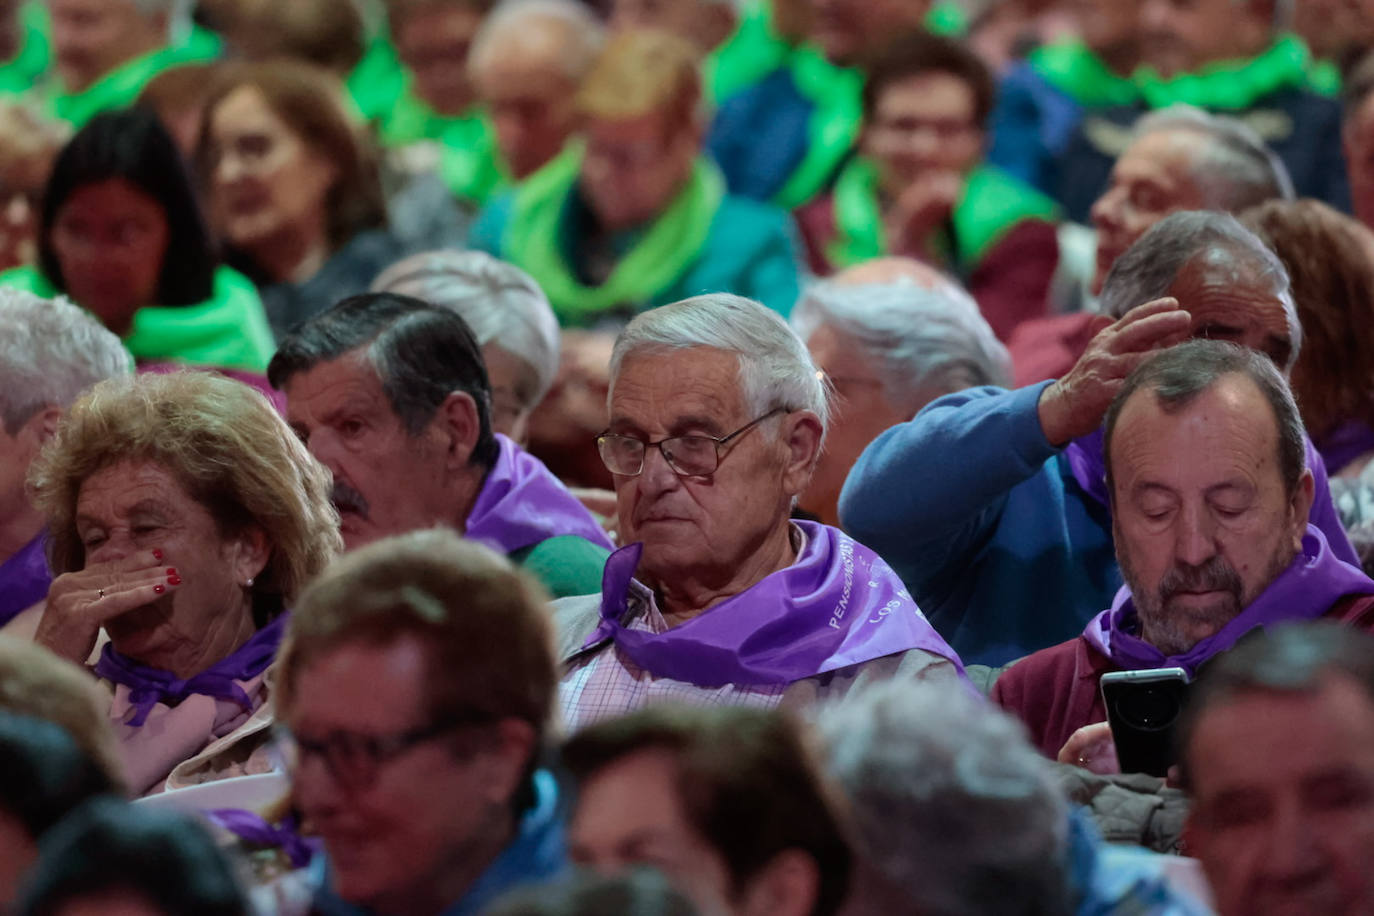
953	808
178	13
775	368
499	301
1234	168
50	352
582	33
922	341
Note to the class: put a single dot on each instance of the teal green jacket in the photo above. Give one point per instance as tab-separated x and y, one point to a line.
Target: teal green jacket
750	251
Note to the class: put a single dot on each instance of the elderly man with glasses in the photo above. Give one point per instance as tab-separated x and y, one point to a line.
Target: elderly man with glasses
416	690
717	416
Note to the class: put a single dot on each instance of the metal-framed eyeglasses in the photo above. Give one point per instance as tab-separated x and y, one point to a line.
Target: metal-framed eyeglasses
688	456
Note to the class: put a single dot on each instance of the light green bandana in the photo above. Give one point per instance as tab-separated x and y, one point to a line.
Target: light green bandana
31	62
1077	72
837	116
661	255
991	204
229	330
1231	85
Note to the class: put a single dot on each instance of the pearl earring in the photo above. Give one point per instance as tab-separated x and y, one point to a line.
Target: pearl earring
249	583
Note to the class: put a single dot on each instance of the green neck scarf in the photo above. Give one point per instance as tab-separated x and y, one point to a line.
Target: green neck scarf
229	330
991	203
1325	77
378	81
753	51
1231	85
664	252
1073	69
120	87
21	72
836	96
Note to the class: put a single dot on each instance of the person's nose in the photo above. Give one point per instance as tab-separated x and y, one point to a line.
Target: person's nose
1195	537
1154	15
657	476
229	168
1106	210
314	790
1292	850
116	546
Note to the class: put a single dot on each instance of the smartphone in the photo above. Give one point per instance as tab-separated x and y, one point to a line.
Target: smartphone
1142	708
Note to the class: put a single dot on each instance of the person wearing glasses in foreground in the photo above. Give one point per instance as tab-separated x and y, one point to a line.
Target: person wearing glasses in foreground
417	684
717	417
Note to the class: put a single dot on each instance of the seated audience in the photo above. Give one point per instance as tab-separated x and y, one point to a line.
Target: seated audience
35	682
1227	56
1210	494
1041	99
637	216
1277	749
526	64
508	314
112	857
888	347
918	188
1330	258
418	686
727	801
956	815
785	136
1005	538
105	51
122	234
641	892
1180	158
391	394
717	417
183	518
44	775
294	194
50	351
29	143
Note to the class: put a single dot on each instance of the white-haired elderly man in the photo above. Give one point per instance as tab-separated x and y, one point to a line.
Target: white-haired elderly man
955	813
526	64
717	416
992	504
890	338
106	51
508	314
50	351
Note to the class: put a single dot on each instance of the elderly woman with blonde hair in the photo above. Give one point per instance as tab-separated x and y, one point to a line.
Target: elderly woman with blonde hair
183	519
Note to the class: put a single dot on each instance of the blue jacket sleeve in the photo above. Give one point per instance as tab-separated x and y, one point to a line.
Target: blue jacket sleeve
927	493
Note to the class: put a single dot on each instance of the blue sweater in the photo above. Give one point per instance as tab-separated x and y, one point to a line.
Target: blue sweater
750	251
982	518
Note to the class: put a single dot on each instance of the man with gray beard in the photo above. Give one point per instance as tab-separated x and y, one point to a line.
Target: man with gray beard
1210	494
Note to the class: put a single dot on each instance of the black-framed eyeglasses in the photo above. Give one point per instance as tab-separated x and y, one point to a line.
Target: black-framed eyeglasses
688	456
354	758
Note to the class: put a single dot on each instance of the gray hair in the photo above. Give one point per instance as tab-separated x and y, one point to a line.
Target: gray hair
923	341
775	368
50	351
953	808
1235	170
1177	375
178	13
1149	268
582	33
501	303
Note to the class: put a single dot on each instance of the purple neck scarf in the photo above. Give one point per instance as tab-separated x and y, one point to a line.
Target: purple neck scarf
150	686
1089	469
1345	443
522	503
254	830
1306	590
838	605
24	580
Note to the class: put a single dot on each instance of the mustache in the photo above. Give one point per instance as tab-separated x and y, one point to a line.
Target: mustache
347	499
1214	575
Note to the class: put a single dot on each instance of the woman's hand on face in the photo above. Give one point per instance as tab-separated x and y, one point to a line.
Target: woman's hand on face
79	603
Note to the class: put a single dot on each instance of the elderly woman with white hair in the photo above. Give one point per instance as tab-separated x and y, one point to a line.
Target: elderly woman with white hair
50	351
717	416
887	350
508	314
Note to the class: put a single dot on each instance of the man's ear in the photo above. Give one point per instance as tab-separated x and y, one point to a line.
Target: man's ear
787	886
801	435
47	420
505	759
460	425
1301	506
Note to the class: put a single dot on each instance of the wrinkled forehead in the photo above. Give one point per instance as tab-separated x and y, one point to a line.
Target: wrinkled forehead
657	387
1217	284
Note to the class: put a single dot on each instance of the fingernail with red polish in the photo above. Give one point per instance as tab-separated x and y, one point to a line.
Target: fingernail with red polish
157	554
174	580
171	570
159	589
